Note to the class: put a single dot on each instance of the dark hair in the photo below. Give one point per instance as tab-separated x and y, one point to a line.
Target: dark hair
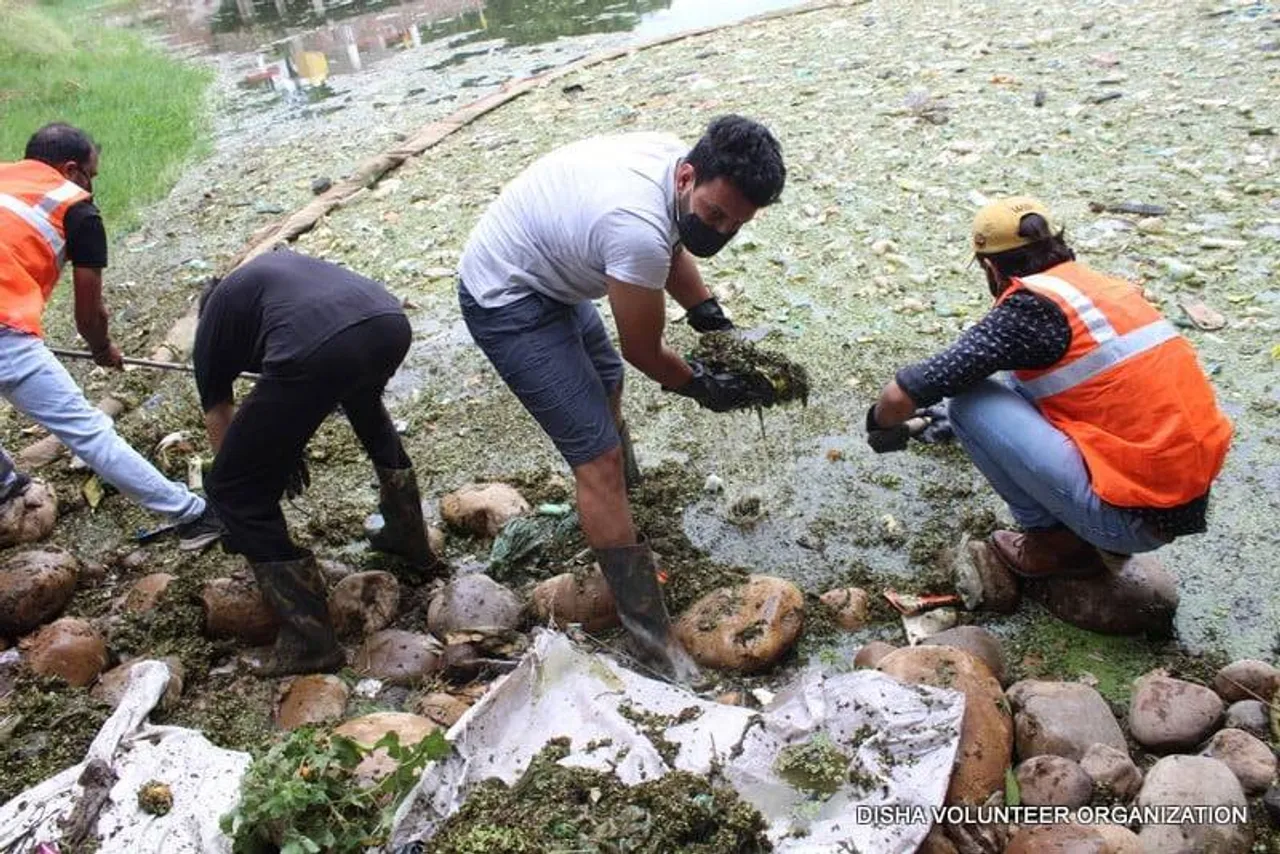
744	152
1046	250
206	292
58	143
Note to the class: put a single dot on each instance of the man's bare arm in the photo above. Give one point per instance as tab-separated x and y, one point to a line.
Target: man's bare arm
640	315
91	316
216	422
895	406
684	282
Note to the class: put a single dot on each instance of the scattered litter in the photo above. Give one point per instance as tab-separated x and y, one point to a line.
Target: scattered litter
909	604
524	536
1202	315
195	473
368	688
92	491
714	485
1135	208
928	623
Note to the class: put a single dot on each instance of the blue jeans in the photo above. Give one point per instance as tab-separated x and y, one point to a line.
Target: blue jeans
557	358
37	385
1038	470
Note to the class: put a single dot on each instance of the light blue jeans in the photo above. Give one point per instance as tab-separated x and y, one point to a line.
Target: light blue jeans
37	385
1038	471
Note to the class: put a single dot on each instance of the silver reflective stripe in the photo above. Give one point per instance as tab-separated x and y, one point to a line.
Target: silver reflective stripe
37	220
1102	358
65	191
1090	315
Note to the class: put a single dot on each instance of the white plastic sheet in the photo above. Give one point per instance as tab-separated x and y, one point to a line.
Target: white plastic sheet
204	779
560	690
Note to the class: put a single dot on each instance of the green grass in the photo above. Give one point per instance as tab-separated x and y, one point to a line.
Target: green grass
60	62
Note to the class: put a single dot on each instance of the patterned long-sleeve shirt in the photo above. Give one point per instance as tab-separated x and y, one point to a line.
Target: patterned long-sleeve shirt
1025	332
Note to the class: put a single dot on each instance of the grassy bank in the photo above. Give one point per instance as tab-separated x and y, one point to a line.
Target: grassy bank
59	62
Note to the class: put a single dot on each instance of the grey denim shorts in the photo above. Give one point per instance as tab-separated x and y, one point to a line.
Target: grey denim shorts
558	360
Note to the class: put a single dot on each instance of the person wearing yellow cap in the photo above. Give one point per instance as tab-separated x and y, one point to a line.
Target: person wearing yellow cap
1108	435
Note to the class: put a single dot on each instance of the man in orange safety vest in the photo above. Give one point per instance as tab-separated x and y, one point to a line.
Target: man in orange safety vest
47	217
1108	436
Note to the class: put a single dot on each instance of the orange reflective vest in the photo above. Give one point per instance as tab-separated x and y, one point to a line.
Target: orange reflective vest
34	198
1129	392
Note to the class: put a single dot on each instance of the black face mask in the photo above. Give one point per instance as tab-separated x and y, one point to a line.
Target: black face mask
699	238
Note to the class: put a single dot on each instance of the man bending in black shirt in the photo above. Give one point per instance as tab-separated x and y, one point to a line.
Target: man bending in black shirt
322	337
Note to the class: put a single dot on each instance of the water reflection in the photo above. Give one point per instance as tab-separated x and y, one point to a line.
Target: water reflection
519	22
301	43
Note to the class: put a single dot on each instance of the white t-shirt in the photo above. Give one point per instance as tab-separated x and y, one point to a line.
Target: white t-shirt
605	206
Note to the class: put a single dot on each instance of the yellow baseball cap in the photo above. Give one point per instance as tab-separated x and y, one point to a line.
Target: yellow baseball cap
995	227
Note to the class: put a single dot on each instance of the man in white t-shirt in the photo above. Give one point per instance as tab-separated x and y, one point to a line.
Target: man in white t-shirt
618	217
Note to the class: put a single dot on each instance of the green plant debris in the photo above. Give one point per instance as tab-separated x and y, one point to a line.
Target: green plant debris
1047	648
553	809
727	351
303	795
45	726
815	766
1012	791
654	727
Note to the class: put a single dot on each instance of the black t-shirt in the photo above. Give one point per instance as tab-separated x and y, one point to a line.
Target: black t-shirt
274	312
86	237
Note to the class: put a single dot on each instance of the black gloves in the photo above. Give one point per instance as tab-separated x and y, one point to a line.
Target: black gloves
721	392
708	316
931	426
938	429
298	481
884	440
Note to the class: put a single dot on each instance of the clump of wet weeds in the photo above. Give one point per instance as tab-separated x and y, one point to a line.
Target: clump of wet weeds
554	808
787	380
45	726
815	766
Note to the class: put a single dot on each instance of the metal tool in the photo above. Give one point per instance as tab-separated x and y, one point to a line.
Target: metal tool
142	363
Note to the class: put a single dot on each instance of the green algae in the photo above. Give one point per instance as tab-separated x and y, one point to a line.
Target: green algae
553	809
815	766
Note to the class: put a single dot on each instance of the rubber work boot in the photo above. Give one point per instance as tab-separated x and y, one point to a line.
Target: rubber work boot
1046	552
630	469
633	578
404	533
294	589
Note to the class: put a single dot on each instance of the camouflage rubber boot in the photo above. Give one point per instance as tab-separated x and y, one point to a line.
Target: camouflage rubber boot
633	578
404	532
630	469
306	643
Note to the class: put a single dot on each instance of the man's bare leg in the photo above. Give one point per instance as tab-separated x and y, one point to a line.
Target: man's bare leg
603	509
630	469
